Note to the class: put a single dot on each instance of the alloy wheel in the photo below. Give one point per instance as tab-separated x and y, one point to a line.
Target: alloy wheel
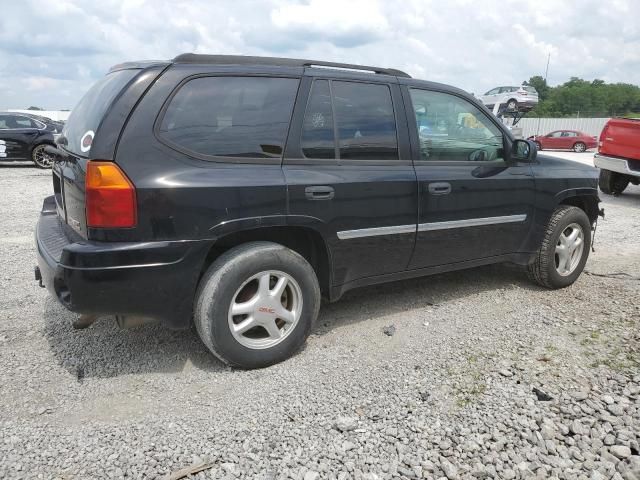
265	309
41	158
569	249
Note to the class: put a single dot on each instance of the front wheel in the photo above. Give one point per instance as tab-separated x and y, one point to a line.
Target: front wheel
40	157
612	183
564	250
579	147
256	304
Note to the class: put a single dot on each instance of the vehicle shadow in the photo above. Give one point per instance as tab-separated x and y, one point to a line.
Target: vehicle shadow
26	164
629	198
105	350
436	290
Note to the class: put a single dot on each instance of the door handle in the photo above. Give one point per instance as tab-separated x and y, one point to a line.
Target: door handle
439	188
319	193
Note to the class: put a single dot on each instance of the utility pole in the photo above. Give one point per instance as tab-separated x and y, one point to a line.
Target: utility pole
546	73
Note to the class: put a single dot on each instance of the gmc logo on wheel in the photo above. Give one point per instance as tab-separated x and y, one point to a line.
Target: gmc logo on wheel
266	310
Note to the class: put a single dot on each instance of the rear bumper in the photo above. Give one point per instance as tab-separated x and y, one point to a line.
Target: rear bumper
148	279
613	164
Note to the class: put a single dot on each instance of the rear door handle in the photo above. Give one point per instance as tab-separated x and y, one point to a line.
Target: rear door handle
323	192
439	188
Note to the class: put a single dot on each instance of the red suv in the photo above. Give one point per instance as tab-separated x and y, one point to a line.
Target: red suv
565	139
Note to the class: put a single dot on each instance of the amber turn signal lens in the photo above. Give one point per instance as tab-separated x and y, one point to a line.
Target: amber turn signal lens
110	196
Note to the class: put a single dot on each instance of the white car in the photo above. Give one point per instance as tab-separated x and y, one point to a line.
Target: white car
514	98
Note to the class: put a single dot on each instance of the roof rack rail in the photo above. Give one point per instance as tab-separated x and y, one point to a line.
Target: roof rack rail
195	58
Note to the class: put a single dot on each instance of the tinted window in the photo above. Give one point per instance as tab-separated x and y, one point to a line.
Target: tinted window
318	139
231	116
24	122
451	128
87	115
365	121
4	122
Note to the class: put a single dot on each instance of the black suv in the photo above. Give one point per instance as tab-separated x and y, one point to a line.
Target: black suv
236	191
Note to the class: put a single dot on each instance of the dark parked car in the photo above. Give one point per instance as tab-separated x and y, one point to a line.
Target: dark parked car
23	138
234	192
565	140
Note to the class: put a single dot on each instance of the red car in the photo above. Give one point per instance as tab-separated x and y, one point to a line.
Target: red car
565	139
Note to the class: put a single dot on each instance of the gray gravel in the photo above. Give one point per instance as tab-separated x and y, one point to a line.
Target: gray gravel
449	395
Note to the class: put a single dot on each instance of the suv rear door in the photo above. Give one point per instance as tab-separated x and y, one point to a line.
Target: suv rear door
347	165
473	204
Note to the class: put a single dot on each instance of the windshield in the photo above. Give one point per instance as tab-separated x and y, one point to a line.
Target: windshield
87	115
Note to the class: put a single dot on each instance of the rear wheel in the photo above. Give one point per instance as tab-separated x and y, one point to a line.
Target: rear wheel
40	157
612	183
564	250
256	304
579	147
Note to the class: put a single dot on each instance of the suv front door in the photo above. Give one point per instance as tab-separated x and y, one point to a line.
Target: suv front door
348	169
474	203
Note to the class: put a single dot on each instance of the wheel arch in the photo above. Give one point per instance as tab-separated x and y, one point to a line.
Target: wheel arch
585	199
305	240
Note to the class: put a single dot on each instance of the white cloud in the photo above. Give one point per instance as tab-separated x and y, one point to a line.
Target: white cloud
51	52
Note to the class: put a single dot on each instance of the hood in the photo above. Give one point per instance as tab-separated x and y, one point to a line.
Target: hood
548	161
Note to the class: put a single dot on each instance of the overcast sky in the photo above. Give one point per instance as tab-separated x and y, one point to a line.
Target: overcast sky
51	51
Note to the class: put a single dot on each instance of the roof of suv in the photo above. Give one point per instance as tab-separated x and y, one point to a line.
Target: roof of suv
193	58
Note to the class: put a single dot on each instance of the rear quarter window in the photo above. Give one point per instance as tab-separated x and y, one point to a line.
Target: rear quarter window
85	118
230	116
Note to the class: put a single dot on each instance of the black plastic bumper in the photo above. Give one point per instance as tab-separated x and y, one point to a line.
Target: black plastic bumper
149	279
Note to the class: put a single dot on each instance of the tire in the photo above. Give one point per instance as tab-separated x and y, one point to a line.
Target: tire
40	157
236	277
512	104
545	269
579	147
612	183
538	145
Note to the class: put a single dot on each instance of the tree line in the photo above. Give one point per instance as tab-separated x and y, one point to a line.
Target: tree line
583	98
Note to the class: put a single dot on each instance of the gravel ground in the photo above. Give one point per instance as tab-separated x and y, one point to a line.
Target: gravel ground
484	375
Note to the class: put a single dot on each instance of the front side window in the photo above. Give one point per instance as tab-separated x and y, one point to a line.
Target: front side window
231	116
452	129
318	138
555	134
365	121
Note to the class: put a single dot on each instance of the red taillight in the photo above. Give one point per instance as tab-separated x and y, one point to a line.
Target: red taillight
110	197
603	133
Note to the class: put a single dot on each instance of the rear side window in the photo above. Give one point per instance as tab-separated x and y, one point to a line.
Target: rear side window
87	115
365	121
318	138
231	116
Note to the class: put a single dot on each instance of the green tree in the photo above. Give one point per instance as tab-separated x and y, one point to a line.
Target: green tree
540	84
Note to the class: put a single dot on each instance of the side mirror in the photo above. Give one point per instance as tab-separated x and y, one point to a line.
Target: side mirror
523	150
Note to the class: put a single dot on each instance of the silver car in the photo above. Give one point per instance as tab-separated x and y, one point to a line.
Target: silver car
514	98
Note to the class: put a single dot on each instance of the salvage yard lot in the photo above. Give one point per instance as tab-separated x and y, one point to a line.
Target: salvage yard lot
486	375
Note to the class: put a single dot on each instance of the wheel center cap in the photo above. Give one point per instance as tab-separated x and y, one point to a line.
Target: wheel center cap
267	310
